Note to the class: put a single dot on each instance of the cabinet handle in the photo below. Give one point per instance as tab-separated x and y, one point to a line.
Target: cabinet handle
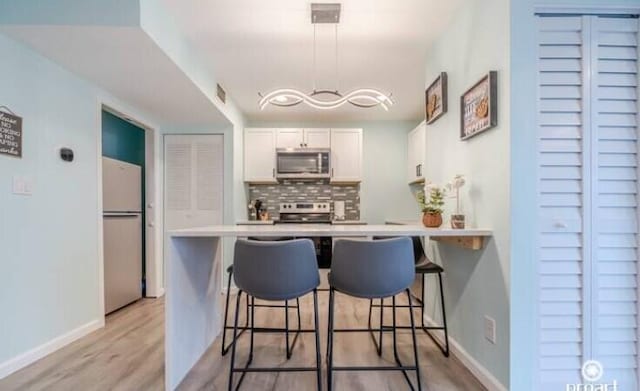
332	172
273	172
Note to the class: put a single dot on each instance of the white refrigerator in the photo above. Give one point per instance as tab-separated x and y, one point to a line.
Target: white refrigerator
122	230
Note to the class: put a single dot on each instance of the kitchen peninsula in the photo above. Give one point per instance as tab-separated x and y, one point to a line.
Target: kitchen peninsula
194	278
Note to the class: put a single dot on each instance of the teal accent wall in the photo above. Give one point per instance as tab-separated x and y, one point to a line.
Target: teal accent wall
122	140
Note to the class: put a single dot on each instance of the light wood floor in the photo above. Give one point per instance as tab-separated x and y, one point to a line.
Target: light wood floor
128	354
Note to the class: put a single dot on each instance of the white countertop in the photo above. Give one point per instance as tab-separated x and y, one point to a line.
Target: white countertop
404	222
255	222
324	230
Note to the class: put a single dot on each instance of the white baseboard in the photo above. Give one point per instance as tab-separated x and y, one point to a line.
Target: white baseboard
481	373
158	294
14	364
234	290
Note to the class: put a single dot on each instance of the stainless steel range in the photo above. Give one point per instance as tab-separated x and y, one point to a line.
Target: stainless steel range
305	212
310	213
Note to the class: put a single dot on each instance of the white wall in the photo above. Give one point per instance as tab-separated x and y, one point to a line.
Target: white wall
476	282
384	191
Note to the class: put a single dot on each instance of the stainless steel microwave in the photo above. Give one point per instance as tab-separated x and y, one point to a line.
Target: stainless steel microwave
303	163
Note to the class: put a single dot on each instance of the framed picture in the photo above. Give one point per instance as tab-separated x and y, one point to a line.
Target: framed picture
479	106
436	98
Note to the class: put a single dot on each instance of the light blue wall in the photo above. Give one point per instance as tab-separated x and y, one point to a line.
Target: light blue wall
384	192
476	282
523	169
49	257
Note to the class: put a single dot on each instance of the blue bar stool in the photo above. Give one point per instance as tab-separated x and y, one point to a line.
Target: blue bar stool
286	306
423	266
372	270
274	271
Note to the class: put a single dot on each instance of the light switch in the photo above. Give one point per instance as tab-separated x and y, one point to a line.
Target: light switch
22	185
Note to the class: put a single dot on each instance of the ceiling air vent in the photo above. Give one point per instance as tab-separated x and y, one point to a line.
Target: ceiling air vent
220	92
325	12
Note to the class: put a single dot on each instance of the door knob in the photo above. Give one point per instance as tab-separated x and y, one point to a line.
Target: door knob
560	224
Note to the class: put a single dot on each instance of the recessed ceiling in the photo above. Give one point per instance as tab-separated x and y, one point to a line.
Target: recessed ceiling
256	46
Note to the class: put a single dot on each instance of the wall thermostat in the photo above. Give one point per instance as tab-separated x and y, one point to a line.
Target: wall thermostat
66	154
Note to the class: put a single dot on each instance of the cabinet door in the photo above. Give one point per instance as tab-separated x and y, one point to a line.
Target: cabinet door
260	155
289	138
317	138
416	153
346	155
411	157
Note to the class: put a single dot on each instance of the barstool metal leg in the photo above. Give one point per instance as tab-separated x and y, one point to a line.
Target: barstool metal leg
381	327
317	332
444	349
330	340
225	348
415	342
286	328
444	317
233	345
377	344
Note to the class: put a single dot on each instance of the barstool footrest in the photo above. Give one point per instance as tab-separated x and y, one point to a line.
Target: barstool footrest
271	330
375	368
276	369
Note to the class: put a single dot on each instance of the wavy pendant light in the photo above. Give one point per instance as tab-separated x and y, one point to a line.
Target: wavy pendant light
325	99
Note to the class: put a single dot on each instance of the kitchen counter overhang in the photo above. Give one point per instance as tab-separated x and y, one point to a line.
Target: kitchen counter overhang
326	230
194	278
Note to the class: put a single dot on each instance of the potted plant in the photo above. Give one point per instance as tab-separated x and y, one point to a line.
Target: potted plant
432	207
457	219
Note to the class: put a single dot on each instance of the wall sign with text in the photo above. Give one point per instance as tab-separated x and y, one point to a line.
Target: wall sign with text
10	135
479	107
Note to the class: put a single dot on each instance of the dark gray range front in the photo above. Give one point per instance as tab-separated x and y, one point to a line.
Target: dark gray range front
310	213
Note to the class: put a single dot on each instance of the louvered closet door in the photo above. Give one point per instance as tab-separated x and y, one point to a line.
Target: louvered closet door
615	216
587	209
193	180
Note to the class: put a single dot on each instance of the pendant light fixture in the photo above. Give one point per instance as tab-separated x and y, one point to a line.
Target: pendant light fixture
325	99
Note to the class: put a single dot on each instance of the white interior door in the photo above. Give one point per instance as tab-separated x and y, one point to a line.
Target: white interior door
587	203
194	177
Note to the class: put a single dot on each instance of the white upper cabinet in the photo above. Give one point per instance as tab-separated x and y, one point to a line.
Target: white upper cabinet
259	155
346	155
290	138
317	138
303	138
416	153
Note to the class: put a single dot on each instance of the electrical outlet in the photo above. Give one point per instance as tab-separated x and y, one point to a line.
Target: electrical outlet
490	329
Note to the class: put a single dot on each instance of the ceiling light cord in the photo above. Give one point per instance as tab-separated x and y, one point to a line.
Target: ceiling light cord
336	43
314	58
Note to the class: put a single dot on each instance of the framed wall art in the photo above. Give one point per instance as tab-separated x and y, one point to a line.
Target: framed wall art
479	106
436	98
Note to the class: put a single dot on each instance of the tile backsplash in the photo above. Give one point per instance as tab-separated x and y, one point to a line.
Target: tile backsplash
290	190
